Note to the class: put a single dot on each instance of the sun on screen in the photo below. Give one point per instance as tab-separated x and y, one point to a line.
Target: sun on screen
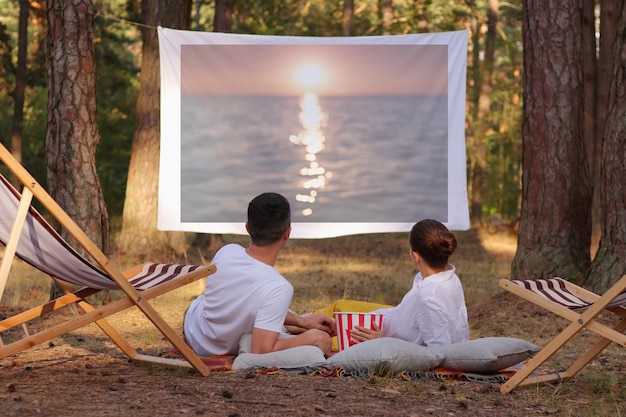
310	75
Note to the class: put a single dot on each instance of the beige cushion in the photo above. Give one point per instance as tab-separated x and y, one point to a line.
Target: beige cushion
386	354
296	357
486	355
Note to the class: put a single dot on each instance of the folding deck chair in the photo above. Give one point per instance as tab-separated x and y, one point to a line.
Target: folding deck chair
577	305
25	233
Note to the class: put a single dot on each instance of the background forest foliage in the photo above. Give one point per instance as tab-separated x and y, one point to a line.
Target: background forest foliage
493	133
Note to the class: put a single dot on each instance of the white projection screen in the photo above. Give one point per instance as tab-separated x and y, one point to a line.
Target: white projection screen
360	134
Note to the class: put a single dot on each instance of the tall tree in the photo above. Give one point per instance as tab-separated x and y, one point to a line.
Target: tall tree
20	81
348	17
483	72
387	16
72	134
609	263
555	226
72	130
608	25
223	18
139	234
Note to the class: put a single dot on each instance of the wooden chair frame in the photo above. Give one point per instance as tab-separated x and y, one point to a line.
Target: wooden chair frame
133	297
581	318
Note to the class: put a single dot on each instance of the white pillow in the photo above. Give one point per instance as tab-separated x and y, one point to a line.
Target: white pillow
296	357
386	354
485	355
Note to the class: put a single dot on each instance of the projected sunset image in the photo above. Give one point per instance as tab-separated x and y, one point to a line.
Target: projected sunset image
348	133
310	75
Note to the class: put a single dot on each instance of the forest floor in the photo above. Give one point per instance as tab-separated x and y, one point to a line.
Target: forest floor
83	374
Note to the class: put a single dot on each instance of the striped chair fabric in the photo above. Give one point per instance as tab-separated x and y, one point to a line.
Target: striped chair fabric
555	290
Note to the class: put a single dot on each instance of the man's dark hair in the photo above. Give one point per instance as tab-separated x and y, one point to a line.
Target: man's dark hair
269	216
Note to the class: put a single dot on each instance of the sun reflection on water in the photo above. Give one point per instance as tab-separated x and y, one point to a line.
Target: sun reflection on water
313	119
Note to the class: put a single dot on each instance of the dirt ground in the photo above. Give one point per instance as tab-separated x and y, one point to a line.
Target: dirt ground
79	376
70	381
84	374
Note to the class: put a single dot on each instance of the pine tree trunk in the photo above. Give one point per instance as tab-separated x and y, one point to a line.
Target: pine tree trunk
610	262
387	16
139	236
348	17
483	104
20	82
555	226
223	18
608	24
72	135
72	132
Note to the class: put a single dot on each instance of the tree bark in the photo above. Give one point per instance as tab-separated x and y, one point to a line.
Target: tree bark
387	16
608	24
20	82
555	226
483	76
72	135
72	131
610	263
422	17
348	17
223	19
140	236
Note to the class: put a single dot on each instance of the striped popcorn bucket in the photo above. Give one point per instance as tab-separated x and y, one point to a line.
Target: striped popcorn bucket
345	322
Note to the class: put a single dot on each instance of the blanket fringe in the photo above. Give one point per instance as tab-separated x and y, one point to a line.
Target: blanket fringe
223	363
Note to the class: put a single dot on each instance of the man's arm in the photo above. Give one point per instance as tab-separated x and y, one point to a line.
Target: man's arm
264	341
317	321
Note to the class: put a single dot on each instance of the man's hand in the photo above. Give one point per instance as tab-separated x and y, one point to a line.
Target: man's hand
319	321
361	334
297	324
313	337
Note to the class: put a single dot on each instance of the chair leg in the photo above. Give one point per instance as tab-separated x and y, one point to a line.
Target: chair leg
103	324
176	340
551	348
97	315
111	332
42	310
522	377
65	327
584	359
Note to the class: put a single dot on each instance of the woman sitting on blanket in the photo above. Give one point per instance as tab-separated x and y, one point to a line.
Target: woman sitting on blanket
433	312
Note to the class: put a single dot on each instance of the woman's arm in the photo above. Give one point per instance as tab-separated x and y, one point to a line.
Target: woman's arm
434	322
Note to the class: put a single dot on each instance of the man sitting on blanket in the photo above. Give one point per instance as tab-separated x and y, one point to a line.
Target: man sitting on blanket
248	295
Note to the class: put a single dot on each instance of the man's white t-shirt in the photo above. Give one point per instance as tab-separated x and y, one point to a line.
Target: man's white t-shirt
432	313
242	294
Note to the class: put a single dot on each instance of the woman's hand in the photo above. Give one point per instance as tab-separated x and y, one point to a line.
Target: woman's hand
361	334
